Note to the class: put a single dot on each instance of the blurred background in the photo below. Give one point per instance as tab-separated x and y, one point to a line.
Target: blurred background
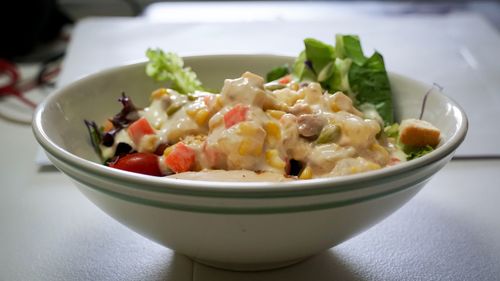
28	31
36	33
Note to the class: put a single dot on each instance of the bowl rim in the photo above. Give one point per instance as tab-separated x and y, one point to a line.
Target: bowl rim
165	184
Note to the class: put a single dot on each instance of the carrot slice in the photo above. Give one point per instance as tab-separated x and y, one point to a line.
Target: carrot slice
236	115
139	129
181	159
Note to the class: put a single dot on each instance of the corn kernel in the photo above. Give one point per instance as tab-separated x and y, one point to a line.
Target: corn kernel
273	132
301	95
334	107
274	160
158	93
247	128
168	150
306	173
248	147
373	166
191	112
294	86
276	114
201	117
219	102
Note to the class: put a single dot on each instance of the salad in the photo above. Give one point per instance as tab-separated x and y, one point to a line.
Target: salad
329	114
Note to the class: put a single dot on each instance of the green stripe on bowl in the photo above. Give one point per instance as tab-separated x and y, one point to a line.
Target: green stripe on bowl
247	210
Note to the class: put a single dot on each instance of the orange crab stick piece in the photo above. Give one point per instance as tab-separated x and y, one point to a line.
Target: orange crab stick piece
236	115
139	129
285	79
181	158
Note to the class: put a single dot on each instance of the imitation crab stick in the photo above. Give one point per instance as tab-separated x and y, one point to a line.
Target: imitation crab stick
139	129
285	79
181	158
236	115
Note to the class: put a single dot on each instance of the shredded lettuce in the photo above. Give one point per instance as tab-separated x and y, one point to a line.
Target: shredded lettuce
344	67
169	67
392	131
416	152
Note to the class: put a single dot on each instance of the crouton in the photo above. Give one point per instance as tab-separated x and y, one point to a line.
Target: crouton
418	133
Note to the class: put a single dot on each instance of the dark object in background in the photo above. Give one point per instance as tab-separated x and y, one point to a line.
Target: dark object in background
28	24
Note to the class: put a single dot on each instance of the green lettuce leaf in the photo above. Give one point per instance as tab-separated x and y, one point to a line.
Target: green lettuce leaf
345	68
170	68
370	84
349	46
319	54
277	72
340	79
301	69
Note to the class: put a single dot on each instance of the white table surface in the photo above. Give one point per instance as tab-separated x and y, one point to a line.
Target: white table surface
449	231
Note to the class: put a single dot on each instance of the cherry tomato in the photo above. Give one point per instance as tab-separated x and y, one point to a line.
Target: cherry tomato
142	163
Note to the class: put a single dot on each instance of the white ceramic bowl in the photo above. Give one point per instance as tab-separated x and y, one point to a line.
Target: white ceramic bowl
242	226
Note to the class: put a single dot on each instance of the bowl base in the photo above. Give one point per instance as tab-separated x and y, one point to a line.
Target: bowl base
249	266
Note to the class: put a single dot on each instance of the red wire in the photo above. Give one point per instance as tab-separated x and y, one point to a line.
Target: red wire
12	87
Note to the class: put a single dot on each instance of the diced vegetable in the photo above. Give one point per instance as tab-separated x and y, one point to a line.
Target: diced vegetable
306	173
329	134
139	129
236	115
285	79
172	109
181	158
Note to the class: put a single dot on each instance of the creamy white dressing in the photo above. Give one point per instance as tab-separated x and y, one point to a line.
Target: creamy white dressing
120	137
275	127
